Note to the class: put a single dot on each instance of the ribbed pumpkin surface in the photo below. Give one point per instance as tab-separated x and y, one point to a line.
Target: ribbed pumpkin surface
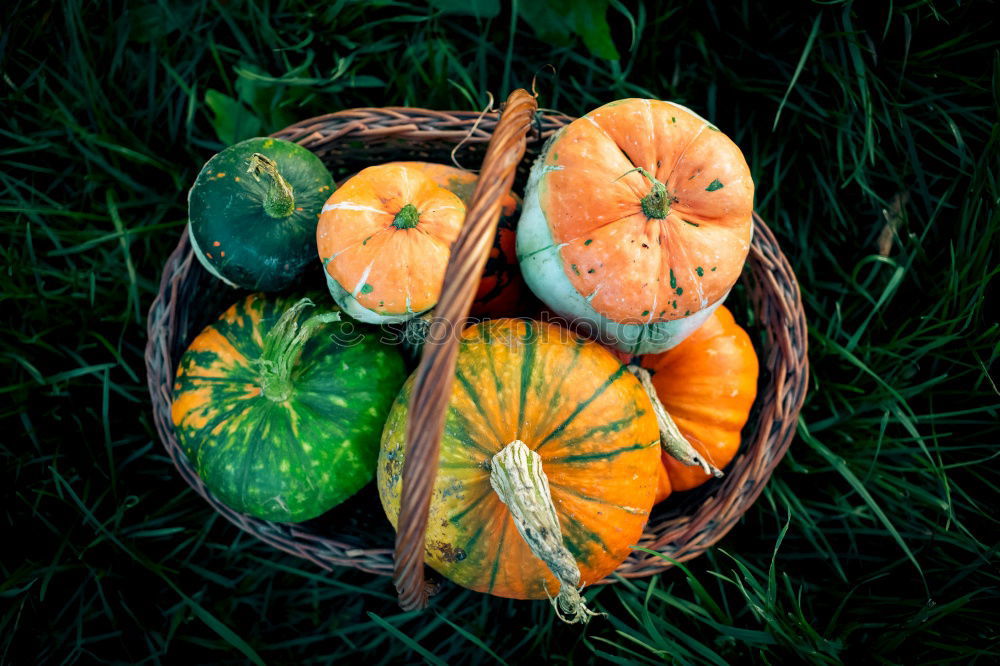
632	267
289	459
579	408
381	267
501	283
707	384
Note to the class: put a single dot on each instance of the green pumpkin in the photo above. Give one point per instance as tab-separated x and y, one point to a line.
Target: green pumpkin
253	212
280	409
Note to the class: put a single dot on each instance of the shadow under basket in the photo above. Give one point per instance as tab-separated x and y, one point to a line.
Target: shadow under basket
189	298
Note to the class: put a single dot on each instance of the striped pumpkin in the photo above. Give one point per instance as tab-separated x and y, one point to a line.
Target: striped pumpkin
280	410
573	404
637	220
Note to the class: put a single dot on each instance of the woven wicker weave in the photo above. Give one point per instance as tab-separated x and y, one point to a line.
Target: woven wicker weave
189	298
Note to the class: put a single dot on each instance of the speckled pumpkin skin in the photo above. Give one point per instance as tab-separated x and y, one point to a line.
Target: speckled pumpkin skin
290	460
232	235
587	246
573	403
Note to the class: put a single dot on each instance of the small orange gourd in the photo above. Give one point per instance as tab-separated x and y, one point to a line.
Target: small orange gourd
500	284
384	238
707	384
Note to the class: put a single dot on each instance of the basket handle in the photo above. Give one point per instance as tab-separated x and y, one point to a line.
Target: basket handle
434	376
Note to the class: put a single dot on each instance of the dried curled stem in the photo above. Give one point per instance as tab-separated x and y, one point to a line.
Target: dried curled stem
671	438
519	481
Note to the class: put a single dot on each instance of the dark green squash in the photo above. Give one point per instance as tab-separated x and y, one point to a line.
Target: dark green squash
280	409
253	211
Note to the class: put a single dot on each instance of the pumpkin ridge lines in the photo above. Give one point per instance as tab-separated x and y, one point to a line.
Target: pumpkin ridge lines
570	490
206	380
253	443
307	394
583	405
407	277
653	139
329	416
604	428
566	372
527	364
474	397
628	182
363	279
471	542
499	547
685	149
487	338
295	443
691	262
578	534
618	146
596	455
638	211
350	205
457	518
362	241
466	440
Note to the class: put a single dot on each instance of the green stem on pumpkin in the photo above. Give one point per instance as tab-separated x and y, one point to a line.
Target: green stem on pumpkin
656	204
517	477
279	201
671	439
407	217
282	347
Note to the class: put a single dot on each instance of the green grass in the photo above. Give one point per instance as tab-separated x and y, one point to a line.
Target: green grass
872	132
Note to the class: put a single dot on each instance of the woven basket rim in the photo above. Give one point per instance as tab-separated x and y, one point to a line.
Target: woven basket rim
771	286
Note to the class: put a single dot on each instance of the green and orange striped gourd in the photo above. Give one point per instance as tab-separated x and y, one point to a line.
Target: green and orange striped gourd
279	408
534	407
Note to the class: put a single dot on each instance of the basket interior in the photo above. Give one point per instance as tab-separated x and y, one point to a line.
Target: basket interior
360	521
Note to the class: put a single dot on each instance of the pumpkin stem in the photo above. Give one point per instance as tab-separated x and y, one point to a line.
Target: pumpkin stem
656	204
282	347
519	481
279	201
671	439
407	217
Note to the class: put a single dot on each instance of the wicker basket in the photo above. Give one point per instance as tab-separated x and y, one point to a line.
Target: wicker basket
188	299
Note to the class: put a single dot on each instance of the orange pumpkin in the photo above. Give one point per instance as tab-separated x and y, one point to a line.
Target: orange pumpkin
637	219
500	285
557	395
707	384
384	238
